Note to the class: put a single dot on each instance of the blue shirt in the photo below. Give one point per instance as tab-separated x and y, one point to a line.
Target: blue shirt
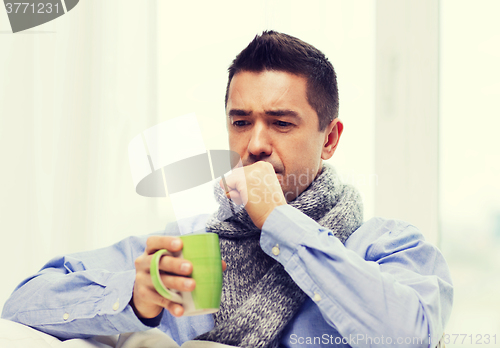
386	286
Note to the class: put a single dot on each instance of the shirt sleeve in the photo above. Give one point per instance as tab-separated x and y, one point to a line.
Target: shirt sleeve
81	295
386	280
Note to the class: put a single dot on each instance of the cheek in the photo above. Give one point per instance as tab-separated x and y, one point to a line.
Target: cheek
308	149
233	141
298	155
306	155
237	144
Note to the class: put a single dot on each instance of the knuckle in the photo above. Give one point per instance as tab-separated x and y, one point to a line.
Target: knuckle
149	242
141	278
138	262
142	262
262	164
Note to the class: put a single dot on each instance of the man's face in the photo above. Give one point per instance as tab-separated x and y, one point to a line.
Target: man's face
269	119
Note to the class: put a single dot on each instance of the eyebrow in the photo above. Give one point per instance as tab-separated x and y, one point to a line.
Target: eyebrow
285	112
239	112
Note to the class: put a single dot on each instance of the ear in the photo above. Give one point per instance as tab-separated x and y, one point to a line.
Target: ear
332	135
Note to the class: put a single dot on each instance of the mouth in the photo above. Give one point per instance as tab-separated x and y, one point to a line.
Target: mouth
277	171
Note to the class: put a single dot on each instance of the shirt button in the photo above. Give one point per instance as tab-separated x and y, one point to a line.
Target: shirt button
66	316
276	250
317	297
116	305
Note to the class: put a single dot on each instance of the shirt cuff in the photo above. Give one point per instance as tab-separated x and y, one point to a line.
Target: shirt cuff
285	230
116	304
152	322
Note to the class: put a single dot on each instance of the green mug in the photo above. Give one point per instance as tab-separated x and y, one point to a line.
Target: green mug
203	251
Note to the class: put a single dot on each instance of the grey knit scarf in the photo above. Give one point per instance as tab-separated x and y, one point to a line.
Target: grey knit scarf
259	298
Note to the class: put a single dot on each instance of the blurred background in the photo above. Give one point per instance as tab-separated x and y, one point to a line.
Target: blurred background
419	89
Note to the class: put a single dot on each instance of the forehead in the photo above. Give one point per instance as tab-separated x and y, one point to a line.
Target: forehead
268	89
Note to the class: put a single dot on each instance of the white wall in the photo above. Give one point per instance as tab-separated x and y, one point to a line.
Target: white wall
470	165
73	92
407	109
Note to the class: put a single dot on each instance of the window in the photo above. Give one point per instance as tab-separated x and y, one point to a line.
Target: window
470	162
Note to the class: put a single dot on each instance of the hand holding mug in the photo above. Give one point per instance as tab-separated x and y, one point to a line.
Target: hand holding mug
146	301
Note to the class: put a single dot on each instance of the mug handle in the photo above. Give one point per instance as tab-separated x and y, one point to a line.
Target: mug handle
169	294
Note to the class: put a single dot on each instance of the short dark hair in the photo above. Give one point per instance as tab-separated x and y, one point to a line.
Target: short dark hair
282	52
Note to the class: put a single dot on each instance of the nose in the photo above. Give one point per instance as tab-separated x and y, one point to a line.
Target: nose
260	145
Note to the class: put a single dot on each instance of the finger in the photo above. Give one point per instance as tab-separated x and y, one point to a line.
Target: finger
142	263
224	266
233	180
225	188
143	279
176	265
224	185
237	184
231	192
155	243
151	296
170	281
178	283
175	309
235	196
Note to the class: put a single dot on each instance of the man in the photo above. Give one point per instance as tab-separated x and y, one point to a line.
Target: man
302	267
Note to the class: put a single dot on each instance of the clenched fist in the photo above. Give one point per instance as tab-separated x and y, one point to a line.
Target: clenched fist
258	188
